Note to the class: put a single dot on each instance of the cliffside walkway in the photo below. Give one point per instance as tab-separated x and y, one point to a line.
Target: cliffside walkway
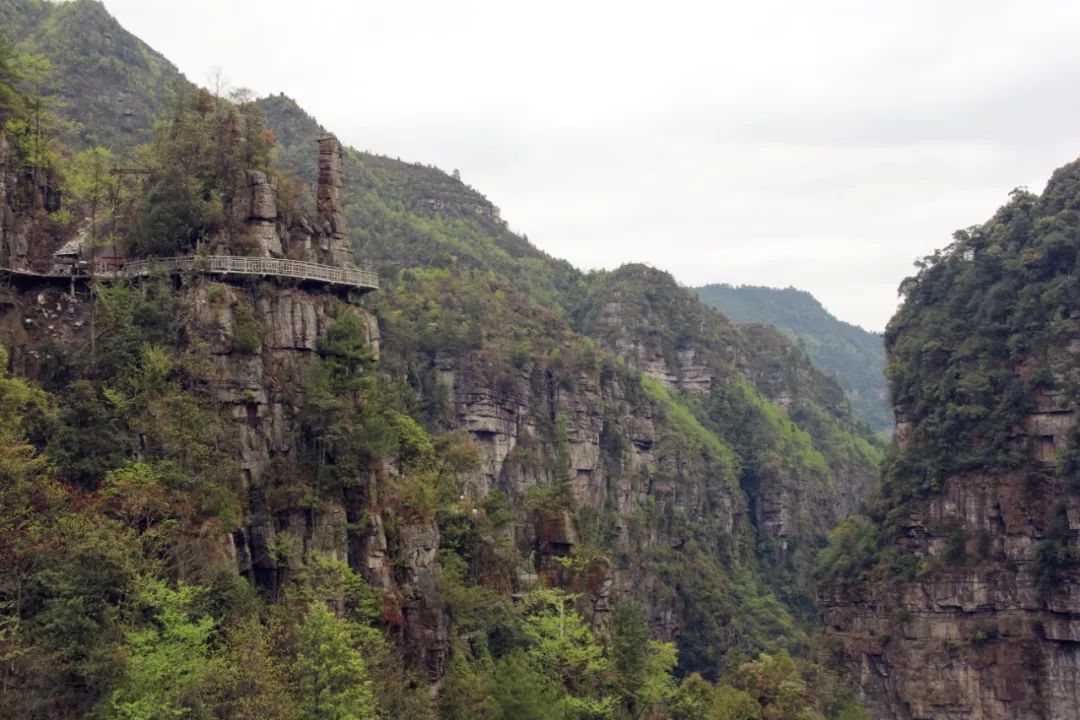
362	280
245	265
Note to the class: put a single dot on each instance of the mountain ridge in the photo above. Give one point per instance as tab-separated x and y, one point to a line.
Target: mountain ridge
849	353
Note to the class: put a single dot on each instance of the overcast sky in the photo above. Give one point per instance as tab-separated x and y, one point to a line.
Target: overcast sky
818	143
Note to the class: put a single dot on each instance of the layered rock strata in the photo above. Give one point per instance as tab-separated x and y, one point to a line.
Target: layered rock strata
967	605
620	458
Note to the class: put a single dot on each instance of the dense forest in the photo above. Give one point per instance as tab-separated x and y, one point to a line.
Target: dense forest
973	354
153	568
980	489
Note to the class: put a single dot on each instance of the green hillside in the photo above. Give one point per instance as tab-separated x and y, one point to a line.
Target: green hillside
112	86
855	357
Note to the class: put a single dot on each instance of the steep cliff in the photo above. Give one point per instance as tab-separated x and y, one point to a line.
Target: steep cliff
493	333
527	427
959	600
684	485
805	462
615	490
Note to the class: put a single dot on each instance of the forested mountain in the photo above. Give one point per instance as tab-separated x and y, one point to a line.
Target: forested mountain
495	487
855	357
958	597
108	85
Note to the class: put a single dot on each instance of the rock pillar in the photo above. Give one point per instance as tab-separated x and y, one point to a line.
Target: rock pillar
258	207
328	201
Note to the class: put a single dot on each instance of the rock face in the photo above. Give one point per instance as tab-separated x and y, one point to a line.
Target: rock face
994	634
260	228
612	450
970	605
260	392
985	641
666	333
328	201
647	492
13	237
611	438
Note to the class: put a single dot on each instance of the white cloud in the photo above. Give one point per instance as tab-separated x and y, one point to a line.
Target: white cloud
823	144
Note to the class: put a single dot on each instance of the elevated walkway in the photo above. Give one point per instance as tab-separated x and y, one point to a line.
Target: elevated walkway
352	278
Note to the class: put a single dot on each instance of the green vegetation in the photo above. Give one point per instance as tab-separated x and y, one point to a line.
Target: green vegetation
170	666
765	688
855	357
971	349
180	193
812	448
688	426
10	98
408	215
246	332
97	62
738	410
149	646
852	552
195	166
330	676
108	602
118	594
512	343
29	130
998	297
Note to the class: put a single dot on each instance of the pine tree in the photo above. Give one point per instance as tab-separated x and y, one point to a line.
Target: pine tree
330	677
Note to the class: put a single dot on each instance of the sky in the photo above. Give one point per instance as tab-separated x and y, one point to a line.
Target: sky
820	144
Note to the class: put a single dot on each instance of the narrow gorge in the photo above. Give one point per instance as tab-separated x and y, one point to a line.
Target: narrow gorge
291	431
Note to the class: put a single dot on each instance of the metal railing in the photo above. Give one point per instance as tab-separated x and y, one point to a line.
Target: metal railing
242	265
